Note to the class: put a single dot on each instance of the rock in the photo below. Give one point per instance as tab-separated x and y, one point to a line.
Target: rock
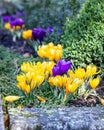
1	116
27	55
74	118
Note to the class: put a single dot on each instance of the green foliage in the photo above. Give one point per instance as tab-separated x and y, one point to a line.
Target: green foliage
83	38
51	13
9	68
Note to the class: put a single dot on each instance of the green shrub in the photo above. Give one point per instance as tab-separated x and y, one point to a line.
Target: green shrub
83	38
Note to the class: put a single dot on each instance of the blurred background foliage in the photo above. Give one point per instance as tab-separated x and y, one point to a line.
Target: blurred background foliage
45	13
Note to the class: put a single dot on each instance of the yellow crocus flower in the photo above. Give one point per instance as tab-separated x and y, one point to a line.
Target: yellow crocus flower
94	82
33	84
21	78
27	35
71	86
7	26
39	80
50	81
58	55
41	99
26	67
11	98
27	89
64	80
50	51
101	101
91	70
71	74
80	73
17	27
57	81
21	85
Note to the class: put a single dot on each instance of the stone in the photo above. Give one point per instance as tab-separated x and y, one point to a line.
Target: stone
73	118
1	116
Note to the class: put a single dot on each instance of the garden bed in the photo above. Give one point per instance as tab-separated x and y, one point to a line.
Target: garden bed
54	71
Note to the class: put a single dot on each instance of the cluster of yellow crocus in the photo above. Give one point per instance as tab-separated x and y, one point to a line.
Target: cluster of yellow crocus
34	75
75	79
50	51
27	35
27	82
44	68
58	81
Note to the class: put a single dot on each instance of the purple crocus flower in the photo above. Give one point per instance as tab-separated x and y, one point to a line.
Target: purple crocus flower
56	70
6	18
49	29
12	17
12	23
62	67
19	22
38	34
20	14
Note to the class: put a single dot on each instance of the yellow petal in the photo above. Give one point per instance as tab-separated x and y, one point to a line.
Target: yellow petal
101	101
41	99
11	98
80	73
7	26
94	82
27	89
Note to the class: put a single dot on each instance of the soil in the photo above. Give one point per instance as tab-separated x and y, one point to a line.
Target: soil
18	46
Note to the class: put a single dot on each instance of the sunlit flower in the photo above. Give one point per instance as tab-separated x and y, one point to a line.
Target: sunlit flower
91	70
62	67
55	81
41	99
94	82
11	98
50	52
26	66
80	73
71	86
27	35
58	81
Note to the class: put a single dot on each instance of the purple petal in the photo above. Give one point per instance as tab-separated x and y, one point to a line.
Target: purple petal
56	70
19	22
38	34
64	66
12	23
12	17
49	29
6	18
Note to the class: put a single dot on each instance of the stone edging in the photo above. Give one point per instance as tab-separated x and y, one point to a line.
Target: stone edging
73	118
1	116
